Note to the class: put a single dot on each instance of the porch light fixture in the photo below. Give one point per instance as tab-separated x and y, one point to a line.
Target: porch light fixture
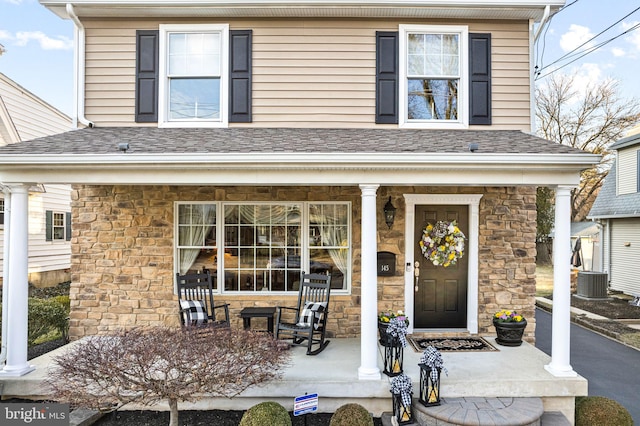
389	213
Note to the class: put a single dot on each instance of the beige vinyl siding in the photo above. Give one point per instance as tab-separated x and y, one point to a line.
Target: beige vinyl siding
30	116
306	72
625	269
628	171
45	255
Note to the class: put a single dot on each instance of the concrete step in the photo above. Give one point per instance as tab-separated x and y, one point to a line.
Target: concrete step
554	418
479	412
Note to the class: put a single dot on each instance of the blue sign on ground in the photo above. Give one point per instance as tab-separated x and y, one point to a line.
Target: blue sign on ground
305	404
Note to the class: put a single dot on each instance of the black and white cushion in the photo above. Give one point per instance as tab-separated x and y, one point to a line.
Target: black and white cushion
194	311
312	312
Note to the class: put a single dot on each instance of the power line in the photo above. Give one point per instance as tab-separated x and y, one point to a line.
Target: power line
575	50
590	50
540	55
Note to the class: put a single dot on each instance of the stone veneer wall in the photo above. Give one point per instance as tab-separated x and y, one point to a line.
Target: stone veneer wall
122	259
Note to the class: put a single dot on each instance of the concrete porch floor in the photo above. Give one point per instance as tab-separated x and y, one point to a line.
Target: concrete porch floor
333	375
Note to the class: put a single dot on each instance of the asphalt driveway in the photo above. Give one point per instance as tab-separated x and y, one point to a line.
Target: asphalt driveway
612	369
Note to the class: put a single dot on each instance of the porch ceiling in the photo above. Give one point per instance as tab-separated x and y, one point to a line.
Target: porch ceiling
453	9
256	156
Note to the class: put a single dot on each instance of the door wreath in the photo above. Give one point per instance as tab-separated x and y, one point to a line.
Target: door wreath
442	243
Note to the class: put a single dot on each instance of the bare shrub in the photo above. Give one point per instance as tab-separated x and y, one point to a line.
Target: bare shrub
150	365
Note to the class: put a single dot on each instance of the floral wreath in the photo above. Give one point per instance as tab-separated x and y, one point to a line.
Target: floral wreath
442	243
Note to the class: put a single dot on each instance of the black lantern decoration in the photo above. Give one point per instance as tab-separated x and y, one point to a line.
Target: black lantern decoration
429	385
389	213
431	364
394	342
401	393
393	356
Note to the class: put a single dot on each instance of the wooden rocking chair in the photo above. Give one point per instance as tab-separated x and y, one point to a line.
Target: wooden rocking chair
311	313
195	294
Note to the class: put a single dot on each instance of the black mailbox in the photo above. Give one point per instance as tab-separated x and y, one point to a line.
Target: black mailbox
386	264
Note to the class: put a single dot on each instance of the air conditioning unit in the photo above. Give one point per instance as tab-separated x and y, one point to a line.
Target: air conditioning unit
592	285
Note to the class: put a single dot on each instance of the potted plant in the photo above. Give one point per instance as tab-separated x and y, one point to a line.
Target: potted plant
385	317
509	327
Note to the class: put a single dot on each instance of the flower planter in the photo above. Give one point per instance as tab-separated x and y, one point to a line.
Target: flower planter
385	339
509	333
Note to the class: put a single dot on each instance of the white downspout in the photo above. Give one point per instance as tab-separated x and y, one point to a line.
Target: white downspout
532	83
79	68
5	274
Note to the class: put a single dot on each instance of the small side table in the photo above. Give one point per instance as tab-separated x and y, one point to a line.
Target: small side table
258	312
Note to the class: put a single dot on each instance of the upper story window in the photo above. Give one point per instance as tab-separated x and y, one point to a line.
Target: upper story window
1	212
433	76
193	75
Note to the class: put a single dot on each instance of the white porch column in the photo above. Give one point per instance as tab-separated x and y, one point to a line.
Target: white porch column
561	319
18	284
369	289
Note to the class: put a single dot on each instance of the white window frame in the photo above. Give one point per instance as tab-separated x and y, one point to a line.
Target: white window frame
463	88
2	210
55	214
305	246
163	86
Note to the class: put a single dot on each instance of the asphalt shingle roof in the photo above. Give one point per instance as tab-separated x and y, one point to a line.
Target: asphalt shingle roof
608	204
152	140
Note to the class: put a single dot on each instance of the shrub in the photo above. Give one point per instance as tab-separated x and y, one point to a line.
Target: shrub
266	414
601	411
148	365
351	415
46	315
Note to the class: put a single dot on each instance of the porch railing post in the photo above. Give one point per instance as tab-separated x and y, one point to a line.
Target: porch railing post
369	369
561	319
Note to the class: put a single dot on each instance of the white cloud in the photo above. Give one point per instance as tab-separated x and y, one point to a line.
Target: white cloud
618	52
576	35
587	75
46	42
5	35
634	36
12	1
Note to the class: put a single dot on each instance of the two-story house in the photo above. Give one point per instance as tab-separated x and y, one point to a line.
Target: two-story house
25	116
258	139
617	208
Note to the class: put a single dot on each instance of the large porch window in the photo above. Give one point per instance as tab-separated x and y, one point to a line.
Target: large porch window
263	247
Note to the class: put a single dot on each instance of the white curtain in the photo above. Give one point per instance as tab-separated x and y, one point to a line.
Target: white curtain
335	236
202	220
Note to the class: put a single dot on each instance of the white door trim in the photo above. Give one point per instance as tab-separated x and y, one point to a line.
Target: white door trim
471	200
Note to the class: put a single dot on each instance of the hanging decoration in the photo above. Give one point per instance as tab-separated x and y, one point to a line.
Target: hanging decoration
442	243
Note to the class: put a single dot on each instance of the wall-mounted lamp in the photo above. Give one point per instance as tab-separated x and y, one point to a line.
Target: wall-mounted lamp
123	146
389	213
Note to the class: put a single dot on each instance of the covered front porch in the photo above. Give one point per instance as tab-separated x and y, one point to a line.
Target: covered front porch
332	374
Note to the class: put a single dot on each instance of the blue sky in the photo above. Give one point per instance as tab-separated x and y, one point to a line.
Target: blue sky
39	46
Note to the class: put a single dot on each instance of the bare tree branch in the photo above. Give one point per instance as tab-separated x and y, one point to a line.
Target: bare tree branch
163	364
589	121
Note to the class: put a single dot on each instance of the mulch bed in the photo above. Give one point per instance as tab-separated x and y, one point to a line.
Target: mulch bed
613	308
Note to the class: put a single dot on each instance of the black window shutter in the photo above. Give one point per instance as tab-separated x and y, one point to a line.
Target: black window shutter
240	76
67	226
49	225
479	78
147	50
387	77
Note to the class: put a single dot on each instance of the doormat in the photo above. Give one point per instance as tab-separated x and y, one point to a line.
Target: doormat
452	344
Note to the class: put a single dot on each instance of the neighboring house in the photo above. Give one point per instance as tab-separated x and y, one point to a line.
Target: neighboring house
617	208
24	116
261	140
